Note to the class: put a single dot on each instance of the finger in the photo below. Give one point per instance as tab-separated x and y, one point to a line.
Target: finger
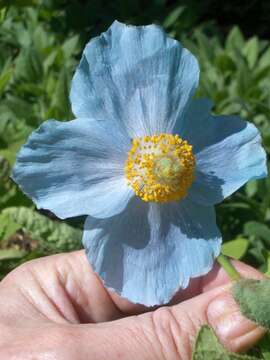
60	288
79	294
166	333
217	308
216	277
170	332
89	296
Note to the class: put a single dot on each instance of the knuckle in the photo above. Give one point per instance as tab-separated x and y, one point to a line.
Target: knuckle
174	333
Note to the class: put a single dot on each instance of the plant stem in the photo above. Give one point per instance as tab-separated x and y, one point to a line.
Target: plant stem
225	262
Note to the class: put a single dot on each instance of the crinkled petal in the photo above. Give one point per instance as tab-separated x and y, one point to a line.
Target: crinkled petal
228	152
136	75
149	251
74	168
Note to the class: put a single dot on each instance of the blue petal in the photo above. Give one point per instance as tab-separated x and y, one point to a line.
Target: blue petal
228	152
136	75
149	251
75	168
195	126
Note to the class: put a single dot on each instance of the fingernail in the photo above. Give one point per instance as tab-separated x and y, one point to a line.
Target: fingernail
225	318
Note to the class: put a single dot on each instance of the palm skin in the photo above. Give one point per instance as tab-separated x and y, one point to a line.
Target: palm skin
56	308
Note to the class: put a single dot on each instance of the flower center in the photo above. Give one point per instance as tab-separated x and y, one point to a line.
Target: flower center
160	168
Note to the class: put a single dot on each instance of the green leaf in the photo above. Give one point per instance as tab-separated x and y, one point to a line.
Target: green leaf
29	65
235	40
267	255
265	59
236	248
5	77
41	40
244	81
70	46
254	228
264	346
4	169
207	347
53	235
16	106
251	188
224	62
13	134
60	104
253	298
7	254
50	60
173	16
251	51
8	226
206	49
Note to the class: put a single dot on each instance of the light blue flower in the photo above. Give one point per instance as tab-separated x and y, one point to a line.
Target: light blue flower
148	195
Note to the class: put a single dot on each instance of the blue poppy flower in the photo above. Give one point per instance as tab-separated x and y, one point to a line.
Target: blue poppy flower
143	161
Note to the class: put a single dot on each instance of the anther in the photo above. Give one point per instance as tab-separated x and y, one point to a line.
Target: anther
160	168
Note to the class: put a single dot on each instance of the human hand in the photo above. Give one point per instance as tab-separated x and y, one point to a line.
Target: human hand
56	308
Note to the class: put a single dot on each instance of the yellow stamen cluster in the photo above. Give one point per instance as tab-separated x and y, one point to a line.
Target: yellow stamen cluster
160	168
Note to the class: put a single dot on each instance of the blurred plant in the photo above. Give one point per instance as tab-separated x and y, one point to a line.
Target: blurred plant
39	48
36	67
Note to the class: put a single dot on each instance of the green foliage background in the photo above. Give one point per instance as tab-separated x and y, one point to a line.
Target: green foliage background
40	46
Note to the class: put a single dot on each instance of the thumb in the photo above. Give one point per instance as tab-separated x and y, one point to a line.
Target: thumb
218	309
169	333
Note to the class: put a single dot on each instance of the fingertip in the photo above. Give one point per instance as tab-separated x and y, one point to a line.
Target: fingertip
234	331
